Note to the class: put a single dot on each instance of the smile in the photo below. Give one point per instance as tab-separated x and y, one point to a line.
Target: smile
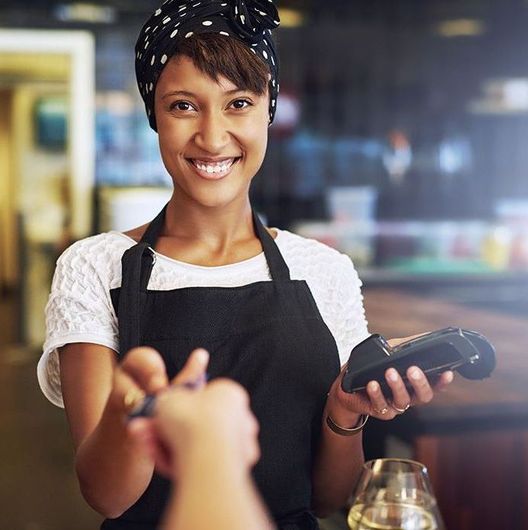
213	170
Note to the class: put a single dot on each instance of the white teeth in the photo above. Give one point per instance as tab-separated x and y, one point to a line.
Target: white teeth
220	167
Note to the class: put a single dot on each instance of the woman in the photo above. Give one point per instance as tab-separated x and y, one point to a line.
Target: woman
279	314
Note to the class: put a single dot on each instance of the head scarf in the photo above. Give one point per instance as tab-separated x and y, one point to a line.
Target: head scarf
249	21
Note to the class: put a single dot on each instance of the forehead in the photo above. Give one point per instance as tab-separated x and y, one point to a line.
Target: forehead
180	73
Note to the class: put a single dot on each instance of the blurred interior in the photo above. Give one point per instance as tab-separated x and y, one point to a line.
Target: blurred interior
399	139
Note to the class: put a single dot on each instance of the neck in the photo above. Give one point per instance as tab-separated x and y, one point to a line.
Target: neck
219	226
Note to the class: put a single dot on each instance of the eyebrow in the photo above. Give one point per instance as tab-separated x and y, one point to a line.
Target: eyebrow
191	95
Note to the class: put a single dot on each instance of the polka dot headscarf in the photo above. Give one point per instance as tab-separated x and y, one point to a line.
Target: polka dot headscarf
249	21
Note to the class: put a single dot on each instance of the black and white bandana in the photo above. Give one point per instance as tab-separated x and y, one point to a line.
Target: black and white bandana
249	21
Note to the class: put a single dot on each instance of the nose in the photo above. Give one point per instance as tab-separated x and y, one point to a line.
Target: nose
212	135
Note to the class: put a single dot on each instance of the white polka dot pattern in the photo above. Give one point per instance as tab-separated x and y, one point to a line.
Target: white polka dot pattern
80	309
251	21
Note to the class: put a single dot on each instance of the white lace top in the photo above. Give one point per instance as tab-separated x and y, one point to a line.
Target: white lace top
80	309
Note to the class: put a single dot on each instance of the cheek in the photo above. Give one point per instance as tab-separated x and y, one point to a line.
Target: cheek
169	148
165	143
255	138
263	142
173	135
256	130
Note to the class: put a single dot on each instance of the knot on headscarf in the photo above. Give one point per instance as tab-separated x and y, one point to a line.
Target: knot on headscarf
252	17
249	21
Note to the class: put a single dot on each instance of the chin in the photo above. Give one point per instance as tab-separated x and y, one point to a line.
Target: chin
213	193
218	198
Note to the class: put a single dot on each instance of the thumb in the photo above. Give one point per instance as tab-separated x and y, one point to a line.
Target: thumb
194	370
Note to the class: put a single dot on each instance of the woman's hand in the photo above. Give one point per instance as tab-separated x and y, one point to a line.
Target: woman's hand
141	372
214	419
344	408
113	470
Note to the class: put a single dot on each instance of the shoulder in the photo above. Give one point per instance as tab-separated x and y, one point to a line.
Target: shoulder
310	257
95	247
334	284
135	233
93	256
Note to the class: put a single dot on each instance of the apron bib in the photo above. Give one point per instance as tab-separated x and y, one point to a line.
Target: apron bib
269	337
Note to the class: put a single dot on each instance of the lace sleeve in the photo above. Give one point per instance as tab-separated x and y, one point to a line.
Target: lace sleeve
347	320
79	309
335	286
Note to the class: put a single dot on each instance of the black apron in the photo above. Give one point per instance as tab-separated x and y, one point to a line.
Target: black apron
268	336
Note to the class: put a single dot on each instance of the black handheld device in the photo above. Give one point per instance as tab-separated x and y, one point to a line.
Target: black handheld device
467	352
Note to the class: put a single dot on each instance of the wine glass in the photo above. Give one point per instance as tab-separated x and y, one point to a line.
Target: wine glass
394	494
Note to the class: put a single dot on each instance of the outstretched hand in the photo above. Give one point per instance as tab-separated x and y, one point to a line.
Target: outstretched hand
212	417
379	405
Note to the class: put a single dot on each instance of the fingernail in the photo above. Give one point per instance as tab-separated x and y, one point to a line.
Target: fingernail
449	377
374	387
202	356
415	374
133	397
392	375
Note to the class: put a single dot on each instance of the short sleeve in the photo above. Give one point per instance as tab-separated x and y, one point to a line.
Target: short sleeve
346	318
79	309
334	284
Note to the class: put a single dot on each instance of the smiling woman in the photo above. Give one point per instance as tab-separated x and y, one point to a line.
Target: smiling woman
278	313
210	129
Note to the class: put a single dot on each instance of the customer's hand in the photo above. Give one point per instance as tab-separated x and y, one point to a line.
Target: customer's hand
342	405
186	422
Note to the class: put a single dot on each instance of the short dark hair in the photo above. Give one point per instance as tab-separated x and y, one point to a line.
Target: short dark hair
219	55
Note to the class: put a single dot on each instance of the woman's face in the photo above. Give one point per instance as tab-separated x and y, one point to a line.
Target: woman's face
212	135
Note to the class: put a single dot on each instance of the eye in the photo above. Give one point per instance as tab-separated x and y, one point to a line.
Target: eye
240	104
182	106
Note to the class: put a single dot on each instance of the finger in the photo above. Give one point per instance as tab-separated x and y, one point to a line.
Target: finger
252	445
422	389
126	393
379	406
400	396
194	370
252	453
163	461
357	402
227	389
143	433
445	380
146	367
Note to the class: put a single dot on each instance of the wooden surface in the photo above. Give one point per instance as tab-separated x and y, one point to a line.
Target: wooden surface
503	396
473	438
480	478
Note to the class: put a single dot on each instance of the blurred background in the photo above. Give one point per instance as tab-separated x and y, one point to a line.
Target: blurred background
400	139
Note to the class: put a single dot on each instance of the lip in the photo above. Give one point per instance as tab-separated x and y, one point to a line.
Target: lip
213	160
212	176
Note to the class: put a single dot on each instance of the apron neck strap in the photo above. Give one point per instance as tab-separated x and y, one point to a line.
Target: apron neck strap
277	266
136	267
154	229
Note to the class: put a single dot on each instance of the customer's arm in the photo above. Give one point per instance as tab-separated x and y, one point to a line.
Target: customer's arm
208	439
214	491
